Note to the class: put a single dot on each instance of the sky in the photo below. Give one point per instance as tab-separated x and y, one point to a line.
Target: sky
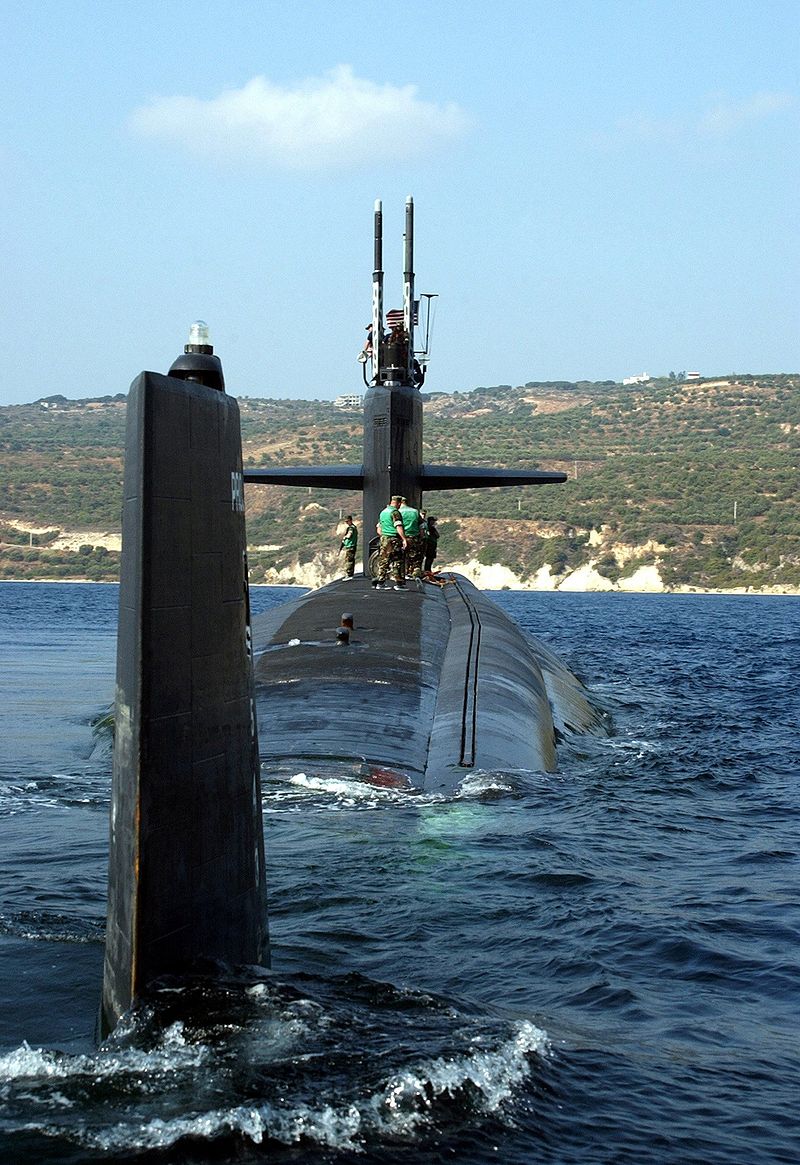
602	188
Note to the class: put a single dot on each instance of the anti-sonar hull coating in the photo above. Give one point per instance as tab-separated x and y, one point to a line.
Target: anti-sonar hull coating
436	681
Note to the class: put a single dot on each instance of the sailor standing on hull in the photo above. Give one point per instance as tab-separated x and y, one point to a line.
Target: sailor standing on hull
349	545
431	543
393	546
414	543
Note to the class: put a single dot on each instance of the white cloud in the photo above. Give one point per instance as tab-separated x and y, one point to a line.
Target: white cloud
722	117
725	116
335	120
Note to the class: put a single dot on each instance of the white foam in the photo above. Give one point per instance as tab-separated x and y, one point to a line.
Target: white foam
332	785
173	1054
486	1077
494	1074
480	783
281	794
329	1126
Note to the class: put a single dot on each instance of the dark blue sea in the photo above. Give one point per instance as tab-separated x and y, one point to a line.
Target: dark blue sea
597	965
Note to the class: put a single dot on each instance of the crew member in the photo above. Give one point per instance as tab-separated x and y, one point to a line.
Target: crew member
366	352
431	543
393	544
414	545
349	545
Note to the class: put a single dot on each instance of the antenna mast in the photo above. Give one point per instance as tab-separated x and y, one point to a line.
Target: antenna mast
377	297
408	288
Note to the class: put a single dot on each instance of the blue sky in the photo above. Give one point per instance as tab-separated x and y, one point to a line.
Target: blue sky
602	188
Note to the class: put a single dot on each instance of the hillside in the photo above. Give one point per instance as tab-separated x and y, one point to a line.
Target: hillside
694	480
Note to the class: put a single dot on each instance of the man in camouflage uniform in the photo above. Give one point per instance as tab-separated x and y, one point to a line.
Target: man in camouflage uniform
393	545
431	544
415	546
349	544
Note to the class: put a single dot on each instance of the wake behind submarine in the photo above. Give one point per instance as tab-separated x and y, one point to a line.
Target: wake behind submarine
435	682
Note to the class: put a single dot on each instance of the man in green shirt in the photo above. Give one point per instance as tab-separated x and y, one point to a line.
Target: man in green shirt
349	545
393	545
414	544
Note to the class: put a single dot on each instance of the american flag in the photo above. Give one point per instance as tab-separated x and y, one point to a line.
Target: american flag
394	319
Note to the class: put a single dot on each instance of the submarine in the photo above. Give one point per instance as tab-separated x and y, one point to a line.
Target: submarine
413	689
426	685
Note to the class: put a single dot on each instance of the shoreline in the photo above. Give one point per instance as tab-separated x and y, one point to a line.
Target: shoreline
738	592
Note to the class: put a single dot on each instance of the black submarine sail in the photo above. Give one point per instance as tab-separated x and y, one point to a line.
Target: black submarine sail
186	878
392	458
414	689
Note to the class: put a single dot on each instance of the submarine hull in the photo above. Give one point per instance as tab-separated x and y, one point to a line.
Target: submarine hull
435	682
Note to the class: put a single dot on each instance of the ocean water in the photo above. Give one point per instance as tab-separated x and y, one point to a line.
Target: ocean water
597	965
